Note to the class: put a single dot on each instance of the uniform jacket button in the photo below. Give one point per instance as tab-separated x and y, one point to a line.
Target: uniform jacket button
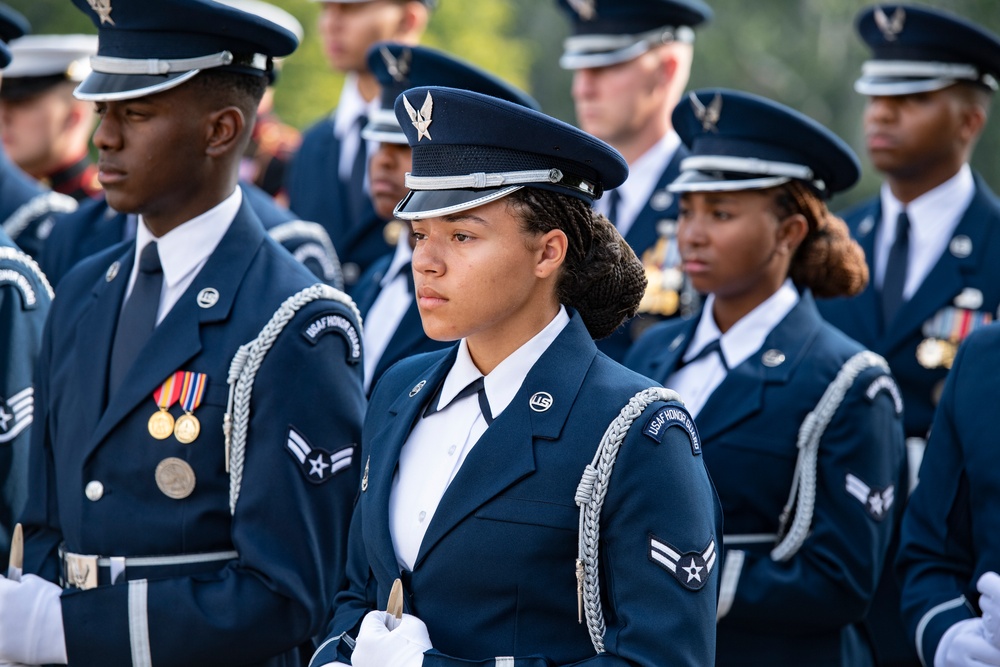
94	490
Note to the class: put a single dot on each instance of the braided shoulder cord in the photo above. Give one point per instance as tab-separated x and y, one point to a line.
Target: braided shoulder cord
48	202
243	370
19	257
590	494
802	498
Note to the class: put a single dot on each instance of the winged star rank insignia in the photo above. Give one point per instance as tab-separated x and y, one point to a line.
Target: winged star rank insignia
876	501
398	68
890	27
103	9
420	119
691	569
317	465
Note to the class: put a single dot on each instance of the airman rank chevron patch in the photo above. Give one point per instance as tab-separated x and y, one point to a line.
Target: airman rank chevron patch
317	465
878	502
691	569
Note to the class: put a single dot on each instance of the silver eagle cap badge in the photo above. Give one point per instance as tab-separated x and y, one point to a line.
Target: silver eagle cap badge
421	119
708	116
585	8
890	27
103	9
398	68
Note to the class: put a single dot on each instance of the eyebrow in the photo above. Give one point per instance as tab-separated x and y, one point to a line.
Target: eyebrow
464	216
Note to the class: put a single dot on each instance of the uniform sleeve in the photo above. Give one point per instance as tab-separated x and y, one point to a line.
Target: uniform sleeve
24	304
829	582
289	528
936	564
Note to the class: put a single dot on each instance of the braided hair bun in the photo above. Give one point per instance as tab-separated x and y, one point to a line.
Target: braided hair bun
602	278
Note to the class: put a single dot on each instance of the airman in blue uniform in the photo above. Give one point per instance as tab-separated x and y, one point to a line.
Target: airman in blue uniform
25	297
326	179
631	60
930	236
800	425
385	292
949	552
486	475
185	492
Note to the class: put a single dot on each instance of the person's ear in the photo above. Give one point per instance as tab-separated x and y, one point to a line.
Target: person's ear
792	230
552	248
224	128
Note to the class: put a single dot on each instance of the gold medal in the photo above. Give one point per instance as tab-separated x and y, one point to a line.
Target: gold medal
175	478
935	353
392	231
187	428
161	425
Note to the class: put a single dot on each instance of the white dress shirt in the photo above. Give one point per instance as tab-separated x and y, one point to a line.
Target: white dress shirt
642	179
185	249
350	107
933	217
438	444
696	381
387	311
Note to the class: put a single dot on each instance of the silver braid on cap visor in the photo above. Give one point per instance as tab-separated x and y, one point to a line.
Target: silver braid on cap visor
747	165
156	66
482	180
921	69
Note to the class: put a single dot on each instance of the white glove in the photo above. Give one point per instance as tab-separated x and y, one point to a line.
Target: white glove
31	624
989	602
964	645
377	646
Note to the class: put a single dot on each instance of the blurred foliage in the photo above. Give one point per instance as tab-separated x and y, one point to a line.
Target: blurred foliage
803	53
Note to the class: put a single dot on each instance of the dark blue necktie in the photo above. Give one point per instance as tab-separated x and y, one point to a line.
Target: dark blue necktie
477	386
895	270
356	195
138	317
712	348
614	202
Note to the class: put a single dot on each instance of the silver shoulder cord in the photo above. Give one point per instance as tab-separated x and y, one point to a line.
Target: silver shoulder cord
590	495
802	498
43	204
243	370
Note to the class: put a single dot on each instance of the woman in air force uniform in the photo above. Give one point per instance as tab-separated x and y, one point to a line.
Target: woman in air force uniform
478	459
800	425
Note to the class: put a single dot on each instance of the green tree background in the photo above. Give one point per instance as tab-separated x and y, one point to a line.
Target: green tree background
803	53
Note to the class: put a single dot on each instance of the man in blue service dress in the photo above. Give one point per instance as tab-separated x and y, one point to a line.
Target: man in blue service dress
326	180
385	292
931	236
631	60
193	468
25	297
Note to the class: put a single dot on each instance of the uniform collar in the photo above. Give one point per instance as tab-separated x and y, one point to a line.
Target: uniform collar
748	334
503	383
931	212
643	176
351	106
400	258
187	247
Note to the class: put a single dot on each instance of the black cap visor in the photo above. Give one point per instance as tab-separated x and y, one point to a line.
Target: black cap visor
420	204
101	87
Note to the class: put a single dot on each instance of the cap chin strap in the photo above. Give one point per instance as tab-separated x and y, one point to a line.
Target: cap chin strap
927	70
156	66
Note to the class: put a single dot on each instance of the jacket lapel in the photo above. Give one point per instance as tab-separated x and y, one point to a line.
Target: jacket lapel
643	232
177	338
947	278
742	391
869	308
505	453
668	357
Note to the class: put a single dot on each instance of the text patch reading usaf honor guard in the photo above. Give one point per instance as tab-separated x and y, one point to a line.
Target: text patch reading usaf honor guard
672	415
335	322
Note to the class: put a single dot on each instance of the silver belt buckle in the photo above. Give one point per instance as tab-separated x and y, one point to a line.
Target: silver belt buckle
81	571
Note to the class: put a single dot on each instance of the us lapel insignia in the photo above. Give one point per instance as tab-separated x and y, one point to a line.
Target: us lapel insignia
103	9
540	401
708	116
691	569
420	119
961	246
890	27
773	358
112	271
208	297
877	502
417	388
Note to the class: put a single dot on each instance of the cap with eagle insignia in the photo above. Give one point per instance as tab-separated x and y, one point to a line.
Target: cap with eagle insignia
149	46
919	49
430	3
607	32
481	148
40	62
740	141
399	66
12	26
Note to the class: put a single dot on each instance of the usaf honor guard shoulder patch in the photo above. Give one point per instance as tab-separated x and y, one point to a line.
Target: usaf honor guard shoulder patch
691	568
334	322
672	415
877	502
317	465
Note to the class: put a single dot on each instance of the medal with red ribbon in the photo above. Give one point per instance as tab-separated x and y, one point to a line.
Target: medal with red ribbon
161	424
187	428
